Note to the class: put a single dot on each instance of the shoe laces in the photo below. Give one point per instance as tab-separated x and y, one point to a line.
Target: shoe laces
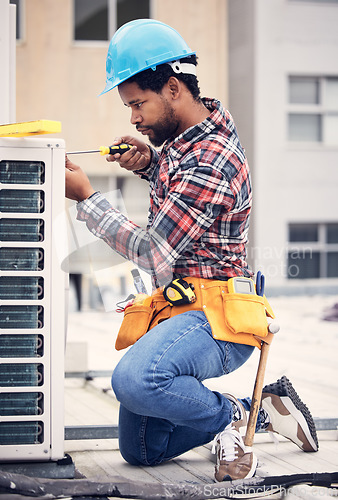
228	442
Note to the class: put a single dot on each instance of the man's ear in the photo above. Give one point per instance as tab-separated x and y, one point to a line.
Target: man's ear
174	87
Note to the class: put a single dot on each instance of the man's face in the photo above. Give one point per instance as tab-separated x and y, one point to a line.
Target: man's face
151	113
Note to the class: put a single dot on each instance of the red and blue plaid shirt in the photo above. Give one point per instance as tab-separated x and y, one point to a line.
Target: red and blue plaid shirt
200	201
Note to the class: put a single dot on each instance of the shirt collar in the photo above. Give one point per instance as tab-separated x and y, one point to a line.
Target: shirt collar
216	119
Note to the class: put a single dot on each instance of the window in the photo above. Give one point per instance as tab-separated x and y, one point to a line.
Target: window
313	110
18	4
127	10
100	19
91	20
315	1
313	250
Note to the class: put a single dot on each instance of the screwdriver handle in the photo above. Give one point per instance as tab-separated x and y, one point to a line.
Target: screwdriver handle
113	150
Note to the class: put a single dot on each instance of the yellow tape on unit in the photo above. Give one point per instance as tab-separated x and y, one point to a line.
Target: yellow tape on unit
25	129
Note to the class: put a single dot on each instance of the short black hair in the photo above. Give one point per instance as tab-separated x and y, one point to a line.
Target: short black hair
155	80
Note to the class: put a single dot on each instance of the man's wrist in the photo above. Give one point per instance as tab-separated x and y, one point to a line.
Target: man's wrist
86	195
93	194
144	169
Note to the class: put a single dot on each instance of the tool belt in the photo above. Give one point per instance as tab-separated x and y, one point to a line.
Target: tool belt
233	317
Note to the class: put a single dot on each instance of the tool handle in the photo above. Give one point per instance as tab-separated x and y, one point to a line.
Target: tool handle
256	396
260	284
113	150
138	282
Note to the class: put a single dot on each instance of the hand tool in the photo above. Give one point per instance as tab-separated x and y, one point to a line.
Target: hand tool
179	292
138	282
260	283
240	284
105	150
273	326
258	387
256	396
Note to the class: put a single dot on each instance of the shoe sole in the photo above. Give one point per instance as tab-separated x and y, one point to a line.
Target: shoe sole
284	406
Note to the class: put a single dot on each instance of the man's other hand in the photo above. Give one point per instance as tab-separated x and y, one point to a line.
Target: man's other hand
78	187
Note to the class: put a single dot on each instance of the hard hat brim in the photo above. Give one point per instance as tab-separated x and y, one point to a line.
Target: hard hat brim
111	84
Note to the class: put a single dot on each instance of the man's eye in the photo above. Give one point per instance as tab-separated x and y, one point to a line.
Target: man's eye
139	104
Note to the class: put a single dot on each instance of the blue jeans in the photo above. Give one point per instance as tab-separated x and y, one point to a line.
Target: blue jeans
165	409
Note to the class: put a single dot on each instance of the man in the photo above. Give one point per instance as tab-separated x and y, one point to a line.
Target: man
200	196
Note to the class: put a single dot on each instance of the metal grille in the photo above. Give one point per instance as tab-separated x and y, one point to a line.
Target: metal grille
21	374
22	200
21	403
21	346
21	432
21	230
22	172
21	317
21	259
21	287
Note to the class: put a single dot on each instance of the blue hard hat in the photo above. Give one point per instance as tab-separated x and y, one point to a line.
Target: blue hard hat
140	45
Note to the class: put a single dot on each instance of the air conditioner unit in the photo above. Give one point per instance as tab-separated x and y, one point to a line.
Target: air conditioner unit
32	300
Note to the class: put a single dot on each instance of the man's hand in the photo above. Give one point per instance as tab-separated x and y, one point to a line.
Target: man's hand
78	187
137	158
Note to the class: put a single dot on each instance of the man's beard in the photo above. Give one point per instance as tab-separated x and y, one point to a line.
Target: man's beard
165	127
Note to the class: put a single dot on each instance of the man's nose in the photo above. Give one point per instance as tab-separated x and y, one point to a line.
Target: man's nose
135	117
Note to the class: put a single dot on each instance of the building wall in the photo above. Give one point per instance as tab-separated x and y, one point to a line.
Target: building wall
292	182
59	79
204	25
242	84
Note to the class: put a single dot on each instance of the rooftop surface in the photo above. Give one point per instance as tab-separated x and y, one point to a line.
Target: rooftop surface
305	350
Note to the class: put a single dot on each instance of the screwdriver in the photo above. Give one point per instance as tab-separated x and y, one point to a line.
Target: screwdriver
105	150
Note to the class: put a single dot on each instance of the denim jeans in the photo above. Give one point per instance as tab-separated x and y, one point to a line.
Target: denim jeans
165	410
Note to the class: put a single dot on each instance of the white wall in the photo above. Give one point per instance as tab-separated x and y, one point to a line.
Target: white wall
7	62
292	183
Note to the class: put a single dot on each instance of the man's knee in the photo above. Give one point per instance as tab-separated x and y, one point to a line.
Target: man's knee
129	385
136	442
128	456
134	456
122	380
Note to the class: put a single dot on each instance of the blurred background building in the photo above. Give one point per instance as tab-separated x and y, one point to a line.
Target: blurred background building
273	63
283	81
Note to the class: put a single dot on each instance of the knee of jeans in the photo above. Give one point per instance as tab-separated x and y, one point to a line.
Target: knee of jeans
119	381
128	384
129	457
132	457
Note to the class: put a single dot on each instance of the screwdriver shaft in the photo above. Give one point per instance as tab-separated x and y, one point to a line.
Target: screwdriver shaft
82	152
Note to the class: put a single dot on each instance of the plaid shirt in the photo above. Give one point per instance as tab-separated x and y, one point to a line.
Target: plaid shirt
200	201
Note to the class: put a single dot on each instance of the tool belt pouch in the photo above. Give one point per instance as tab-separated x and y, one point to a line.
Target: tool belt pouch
245	313
135	324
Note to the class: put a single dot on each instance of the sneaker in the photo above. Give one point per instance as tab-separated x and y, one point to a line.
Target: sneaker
234	460
288	415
